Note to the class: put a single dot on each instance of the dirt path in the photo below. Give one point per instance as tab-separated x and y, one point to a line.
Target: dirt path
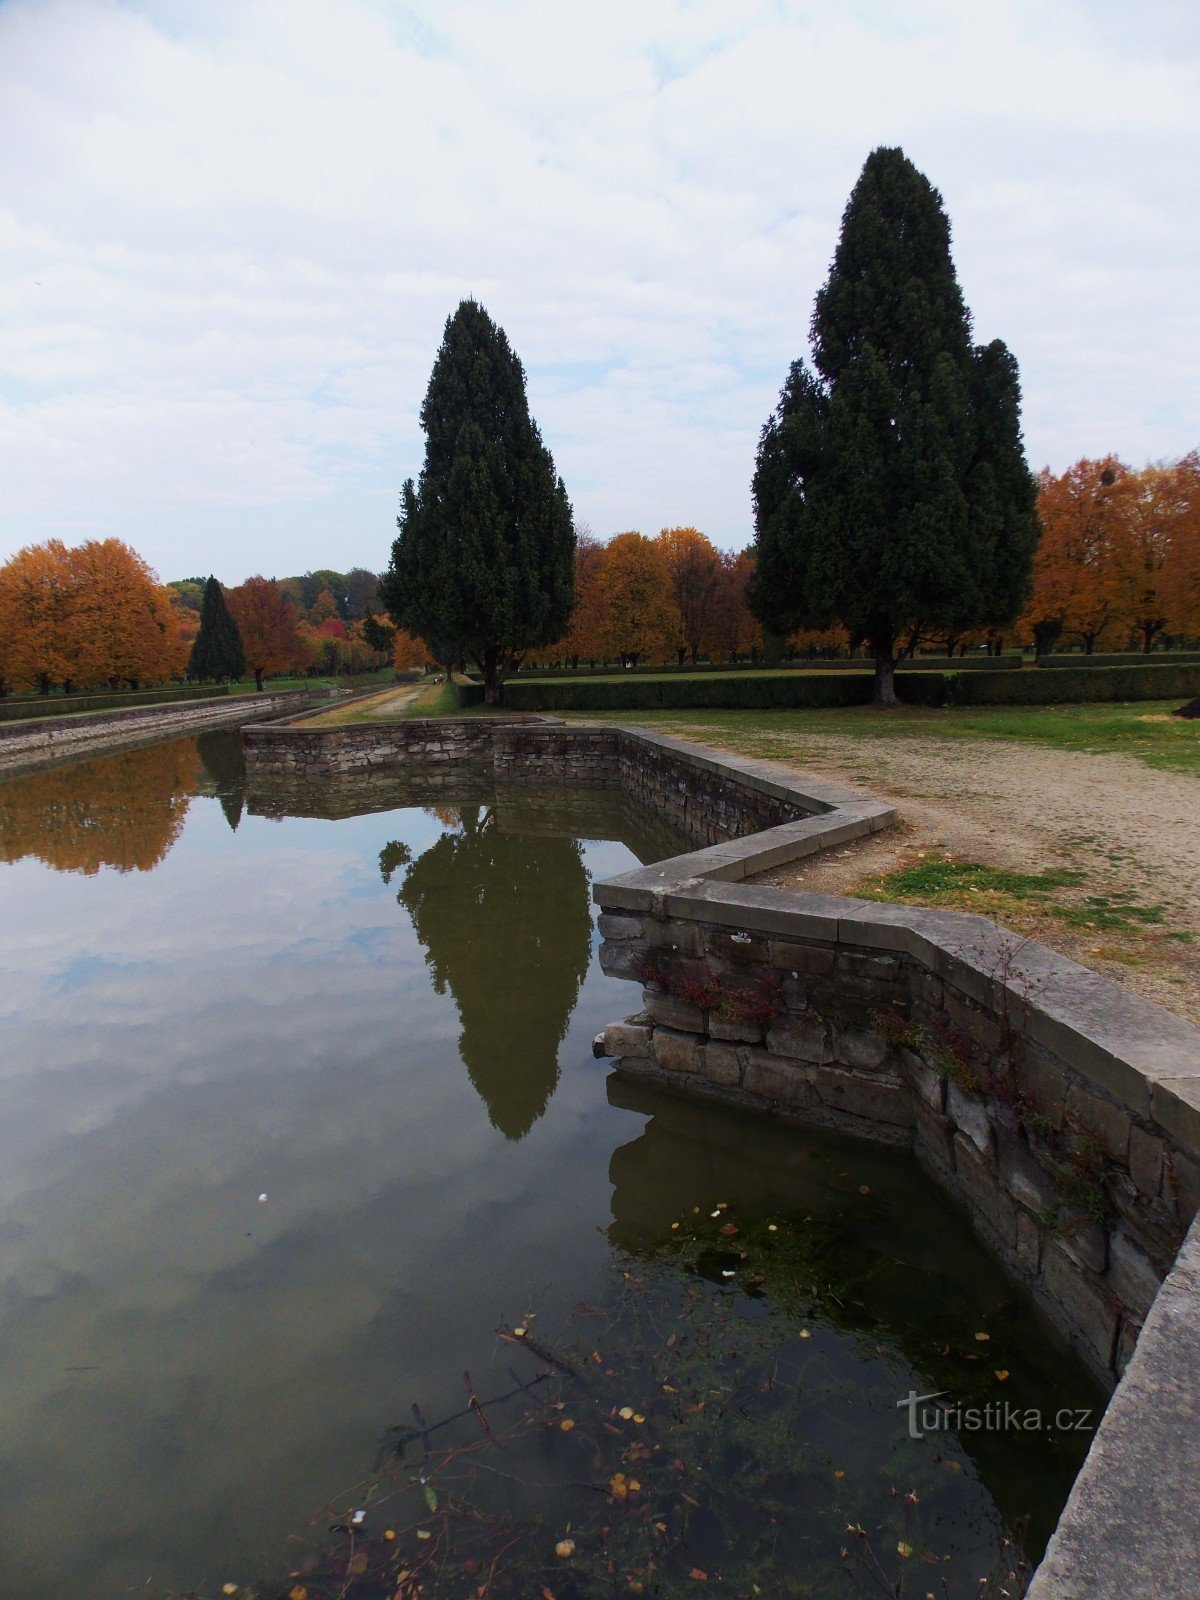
1132	832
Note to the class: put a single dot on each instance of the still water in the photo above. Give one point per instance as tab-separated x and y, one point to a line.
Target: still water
298	1109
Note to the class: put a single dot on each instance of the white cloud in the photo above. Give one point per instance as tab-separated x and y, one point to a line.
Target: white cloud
230	234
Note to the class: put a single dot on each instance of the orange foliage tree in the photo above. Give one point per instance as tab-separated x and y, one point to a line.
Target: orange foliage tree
696	576
93	615
267	622
735	630
639	615
1182	575
1083	513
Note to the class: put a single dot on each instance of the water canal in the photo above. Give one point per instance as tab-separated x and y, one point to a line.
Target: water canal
297	1110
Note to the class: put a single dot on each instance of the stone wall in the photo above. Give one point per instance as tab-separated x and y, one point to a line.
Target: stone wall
24	745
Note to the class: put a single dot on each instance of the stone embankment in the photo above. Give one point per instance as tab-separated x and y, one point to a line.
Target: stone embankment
34	743
1063	1111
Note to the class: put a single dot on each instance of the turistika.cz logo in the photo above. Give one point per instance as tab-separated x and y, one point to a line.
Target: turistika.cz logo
937	1413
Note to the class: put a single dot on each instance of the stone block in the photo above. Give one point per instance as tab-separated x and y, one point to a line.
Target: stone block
626	1039
677	938
1083	1239
1102	1120
617	928
1089	1311
738	946
678	1052
802	959
1132	1275
859	1047
1026	1179
927	990
934	1137
1181	1186
668	1011
772	1079
1029	1243
854	963
722	1063
926	1082
730	1028
1145	1161
803	1038
620	960
875	1098
979	1179
969	1113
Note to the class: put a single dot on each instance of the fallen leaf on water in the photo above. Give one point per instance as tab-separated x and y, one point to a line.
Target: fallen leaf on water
839	1473
697	1575
229	1588
431	1499
519	1333
424	1533
389	1533
904	1549
565	1548
864	1188
804	1333
730	1229
772	1227
625	1413
358	1563
638	1418
566	1424
1002	1373
983	1337
298	1593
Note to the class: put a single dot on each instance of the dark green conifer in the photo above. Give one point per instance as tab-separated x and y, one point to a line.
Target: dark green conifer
891	491
217	648
484	562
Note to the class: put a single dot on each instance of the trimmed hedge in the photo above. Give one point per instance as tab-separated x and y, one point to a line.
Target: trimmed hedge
1130	658
61	705
466	692
767	690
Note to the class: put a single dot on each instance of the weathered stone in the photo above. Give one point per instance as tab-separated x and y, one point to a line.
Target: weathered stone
927	990
1145	1161
775	1080
980	1181
626	1039
970	1114
675	938
1083	1239
801	1037
1089	1312
617	928
1132	1276
1029	1243
677	1052
802	959
1181	1187
855	964
1044	1084
875	1098
1127	1338
859	1047
721	1063
620	960
670	1012
1026	1179
739	947
927	1082
732	1028
1100	1119
935	1136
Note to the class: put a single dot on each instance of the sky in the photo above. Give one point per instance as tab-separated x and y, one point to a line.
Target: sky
231	232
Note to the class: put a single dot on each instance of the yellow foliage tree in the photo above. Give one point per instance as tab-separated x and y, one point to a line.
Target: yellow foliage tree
695	568
639	616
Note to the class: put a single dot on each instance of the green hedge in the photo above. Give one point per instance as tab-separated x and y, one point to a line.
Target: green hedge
467	692
766	690
1162	658
60	705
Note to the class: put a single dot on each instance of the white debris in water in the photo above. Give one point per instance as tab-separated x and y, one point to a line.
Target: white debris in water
262	1199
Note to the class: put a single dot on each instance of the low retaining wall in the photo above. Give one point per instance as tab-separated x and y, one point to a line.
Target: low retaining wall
31	744
1062	1110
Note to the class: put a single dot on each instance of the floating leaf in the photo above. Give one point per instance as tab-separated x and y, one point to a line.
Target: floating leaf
565	1548
424	1533
1002	1373
431	1499
904	1549
625	1413
566	1424
983	1337
298	1593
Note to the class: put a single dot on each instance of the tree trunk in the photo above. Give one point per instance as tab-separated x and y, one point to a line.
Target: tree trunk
491	676
882	648
1149	629
258	679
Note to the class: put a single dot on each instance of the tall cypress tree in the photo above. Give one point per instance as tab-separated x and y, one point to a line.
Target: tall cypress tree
484	561
891	490
217	648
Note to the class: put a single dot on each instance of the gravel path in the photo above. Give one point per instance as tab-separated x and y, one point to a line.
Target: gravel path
1131	830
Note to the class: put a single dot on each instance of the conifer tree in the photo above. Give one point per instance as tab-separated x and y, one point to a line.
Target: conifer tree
891	490
484	561
217	648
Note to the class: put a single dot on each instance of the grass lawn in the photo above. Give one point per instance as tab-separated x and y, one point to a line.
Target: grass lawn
431	699
1145	730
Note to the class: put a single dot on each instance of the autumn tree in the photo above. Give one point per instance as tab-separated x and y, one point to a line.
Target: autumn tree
1183	564
735	628
1143	560
124	625
484	558
585	637
36	645
695	568
323	608
267	624
217	651
1082	512
640	618
891	491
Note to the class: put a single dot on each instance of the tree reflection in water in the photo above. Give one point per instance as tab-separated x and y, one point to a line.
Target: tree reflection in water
504	919
123	811
224	763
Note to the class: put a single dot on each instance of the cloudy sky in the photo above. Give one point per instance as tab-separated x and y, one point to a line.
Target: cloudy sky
231	232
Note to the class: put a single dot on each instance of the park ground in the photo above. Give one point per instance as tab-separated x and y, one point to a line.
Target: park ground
1078	826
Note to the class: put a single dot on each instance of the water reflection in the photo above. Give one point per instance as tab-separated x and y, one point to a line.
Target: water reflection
123	811
505	922
221	756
